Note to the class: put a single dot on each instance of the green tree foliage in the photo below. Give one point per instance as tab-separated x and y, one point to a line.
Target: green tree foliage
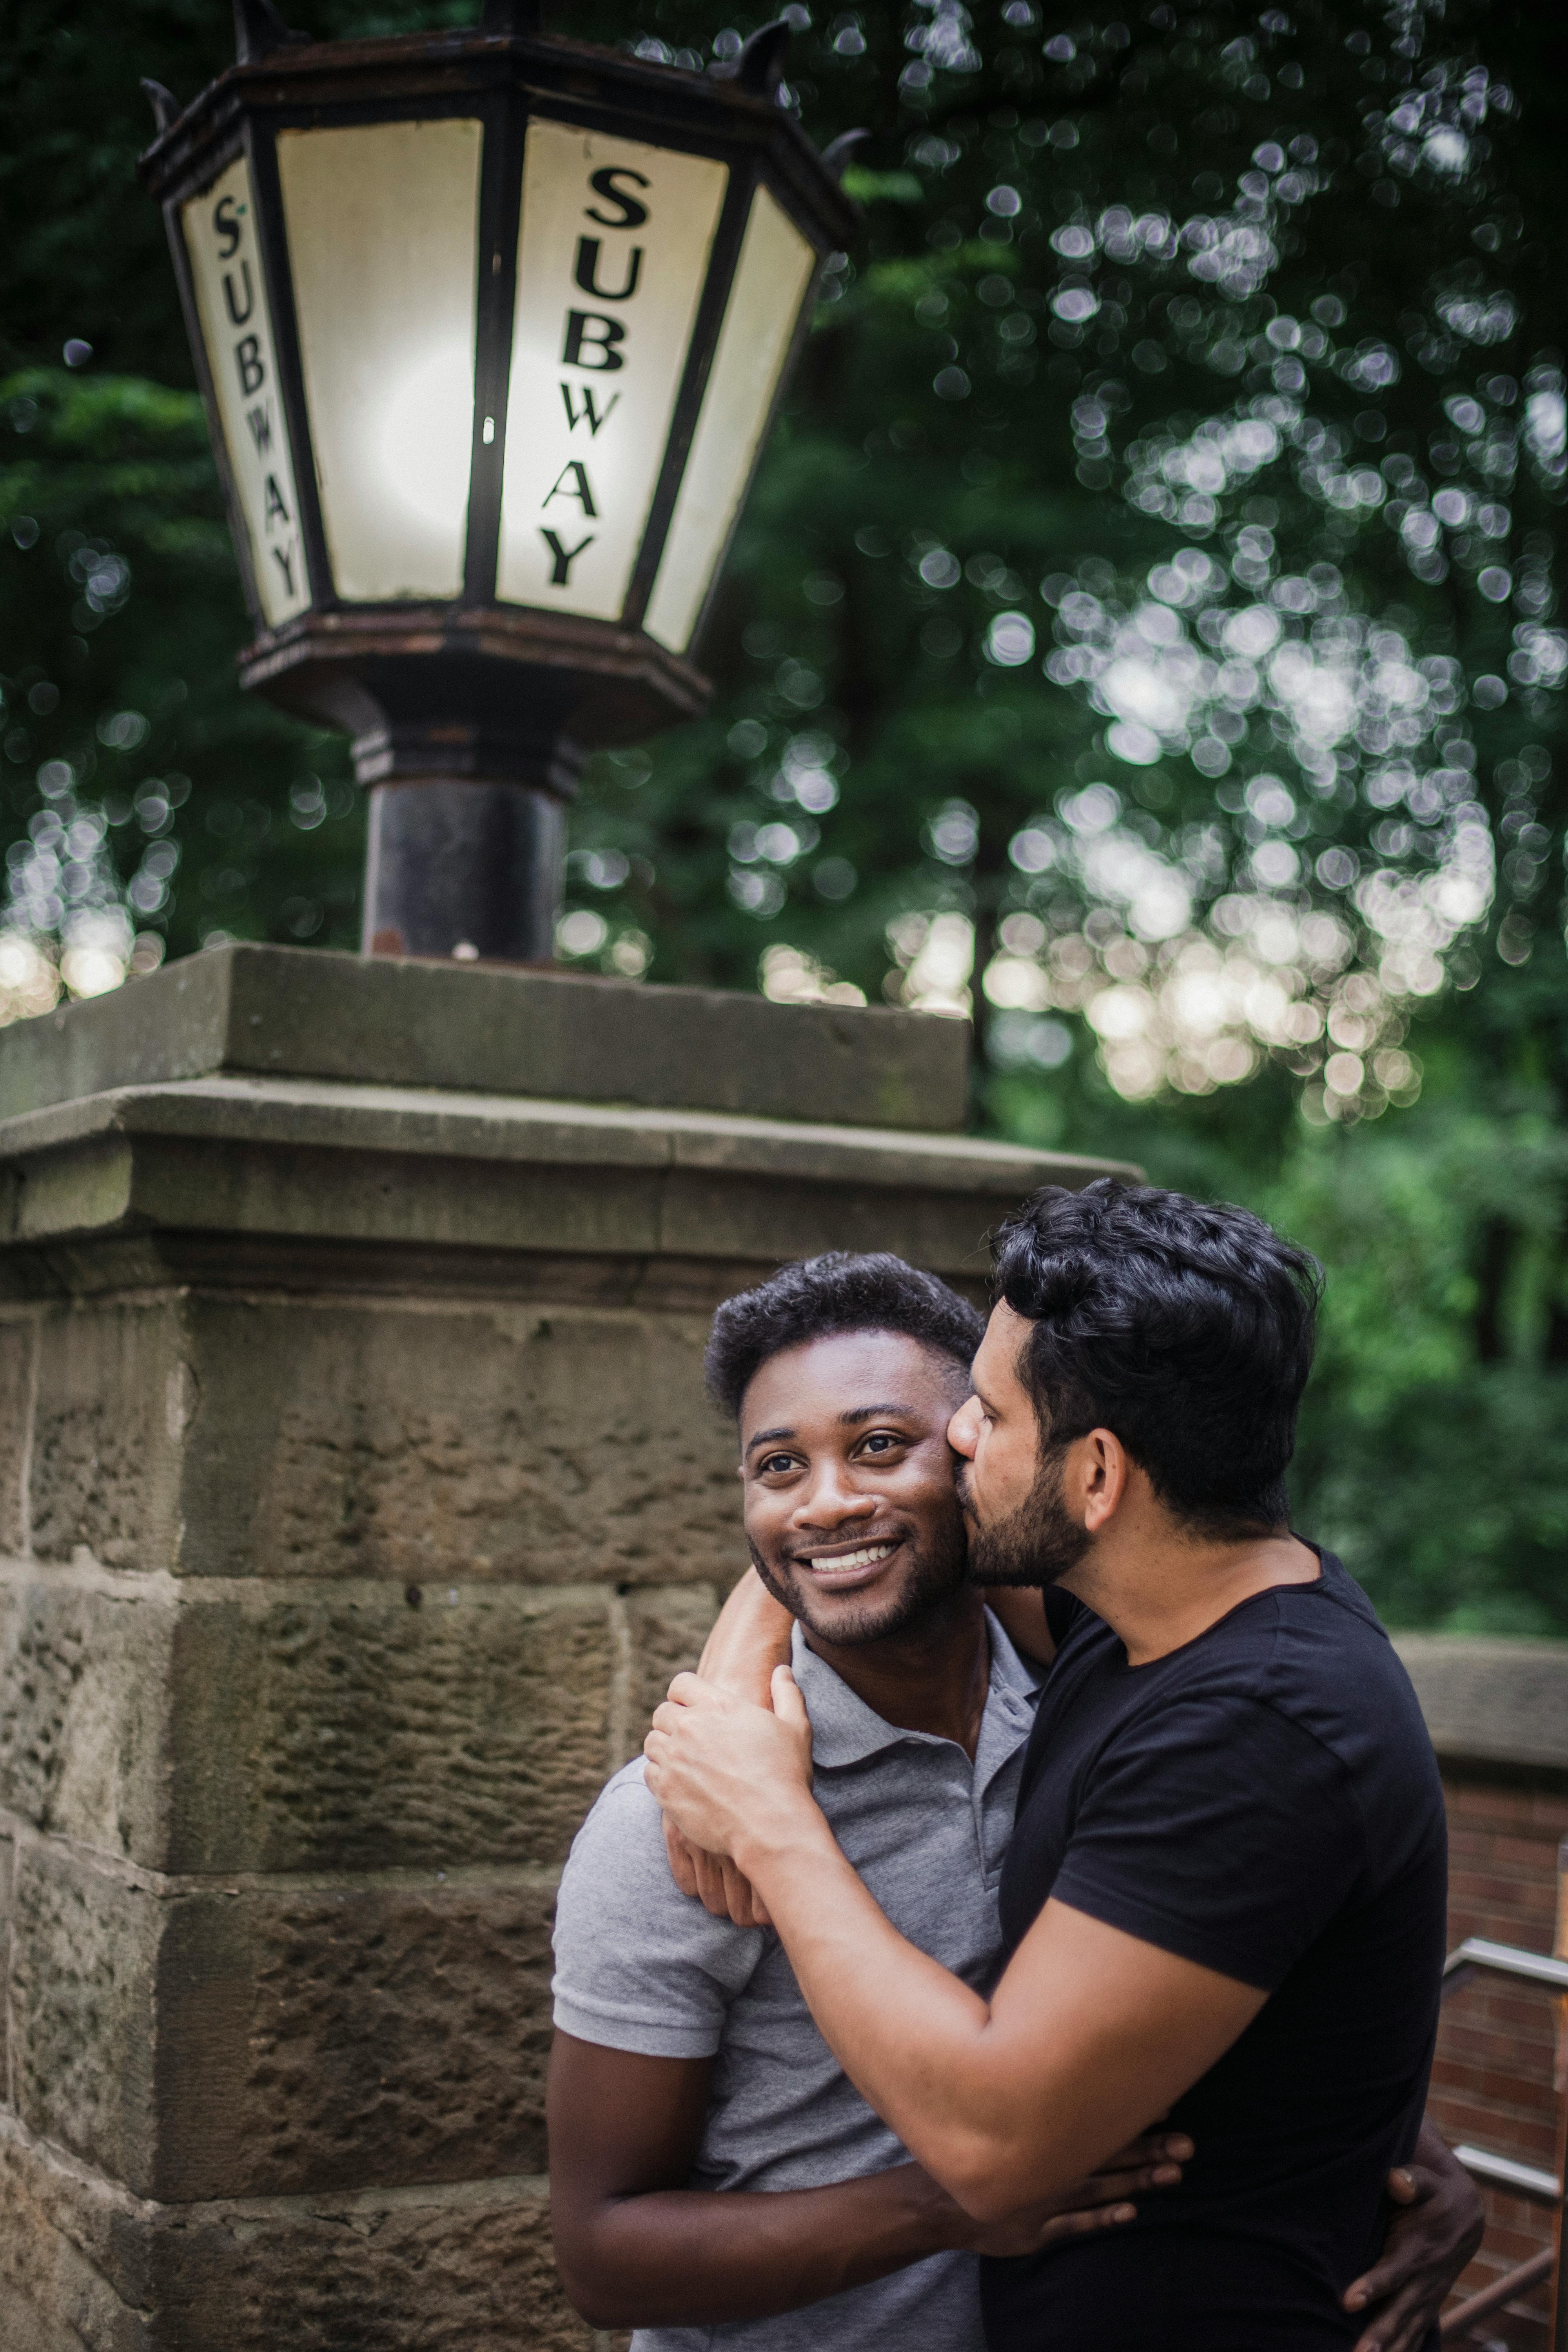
1141	636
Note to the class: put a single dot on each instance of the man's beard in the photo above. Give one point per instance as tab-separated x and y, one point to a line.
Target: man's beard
937	1571
1037	1544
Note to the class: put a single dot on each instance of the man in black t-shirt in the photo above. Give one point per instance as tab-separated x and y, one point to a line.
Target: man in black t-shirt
1261	1799
1225	1896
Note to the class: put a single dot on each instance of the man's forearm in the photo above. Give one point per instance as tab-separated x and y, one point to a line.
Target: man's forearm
690	2258
749	1637
867	1987
1091	2035
1003	2114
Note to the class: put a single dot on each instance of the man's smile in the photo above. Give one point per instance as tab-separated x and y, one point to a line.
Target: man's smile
841	1567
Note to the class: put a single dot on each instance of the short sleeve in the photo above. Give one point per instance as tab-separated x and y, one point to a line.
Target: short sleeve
1218	1830
638	1965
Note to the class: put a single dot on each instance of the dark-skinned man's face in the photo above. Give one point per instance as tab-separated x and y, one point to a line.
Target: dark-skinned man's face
851	1508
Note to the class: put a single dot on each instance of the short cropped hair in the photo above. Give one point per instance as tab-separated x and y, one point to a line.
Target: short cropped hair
836	1292
1187	1330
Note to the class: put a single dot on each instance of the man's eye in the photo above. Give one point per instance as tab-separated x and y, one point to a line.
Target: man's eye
883	1441
776	1463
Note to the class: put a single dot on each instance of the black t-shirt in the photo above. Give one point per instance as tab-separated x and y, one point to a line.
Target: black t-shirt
1263	1801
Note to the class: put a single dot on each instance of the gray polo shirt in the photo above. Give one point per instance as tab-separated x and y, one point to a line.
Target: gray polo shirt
641	1967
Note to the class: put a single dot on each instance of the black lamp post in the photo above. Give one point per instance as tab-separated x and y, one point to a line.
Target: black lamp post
490	329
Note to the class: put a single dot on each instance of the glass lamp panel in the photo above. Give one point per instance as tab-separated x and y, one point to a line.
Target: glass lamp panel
773	277
383	227
612	258
219	230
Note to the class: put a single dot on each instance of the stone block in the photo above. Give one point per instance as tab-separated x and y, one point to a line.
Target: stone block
768	1217
472	2273
1491	1699
18	1364
302	1013
74	2257
85	2268
345	1727
7	1899
307	2039
83	2011
113	1398
452	1443
315	2041
84	1708
348	1730
314	1193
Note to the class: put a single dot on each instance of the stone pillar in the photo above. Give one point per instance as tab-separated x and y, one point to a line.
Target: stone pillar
358	1496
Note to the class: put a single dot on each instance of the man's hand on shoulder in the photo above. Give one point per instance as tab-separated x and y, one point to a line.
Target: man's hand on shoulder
730	1773
750	1637
712	1880
1433	2234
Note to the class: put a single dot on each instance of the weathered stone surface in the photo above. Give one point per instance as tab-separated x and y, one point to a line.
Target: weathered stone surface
1489	1698
352	1730
85	1698
451	1444
84	2268
600	1201
341	1728
770	1216
309	1014
85	1189
319	1163
83	2013
321	2040
113	1396
420	2276
7	1893
75	2258
307	2039
18	1359
443	2280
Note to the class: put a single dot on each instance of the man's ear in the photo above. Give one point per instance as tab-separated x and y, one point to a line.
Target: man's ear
1105	1477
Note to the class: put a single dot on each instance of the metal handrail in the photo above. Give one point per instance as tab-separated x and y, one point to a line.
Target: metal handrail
1503	2172
1478	1952
1506	1960
1501	2290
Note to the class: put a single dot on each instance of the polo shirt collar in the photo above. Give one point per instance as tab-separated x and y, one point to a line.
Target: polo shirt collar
845	1730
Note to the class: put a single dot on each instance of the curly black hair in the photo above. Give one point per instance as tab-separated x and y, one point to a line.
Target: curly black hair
1186	1328
839	1291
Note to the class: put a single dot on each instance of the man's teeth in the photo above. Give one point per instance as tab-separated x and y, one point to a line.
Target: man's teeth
853	1559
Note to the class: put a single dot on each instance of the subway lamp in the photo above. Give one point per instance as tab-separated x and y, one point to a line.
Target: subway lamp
490	328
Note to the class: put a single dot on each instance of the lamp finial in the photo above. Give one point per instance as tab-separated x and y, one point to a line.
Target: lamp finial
840	153
165	106
760	64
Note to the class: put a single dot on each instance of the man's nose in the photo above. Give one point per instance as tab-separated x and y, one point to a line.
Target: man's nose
830	1499
963	1429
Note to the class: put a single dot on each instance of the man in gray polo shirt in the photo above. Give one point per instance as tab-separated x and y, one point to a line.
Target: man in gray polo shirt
640	1968
711	2168
715	2177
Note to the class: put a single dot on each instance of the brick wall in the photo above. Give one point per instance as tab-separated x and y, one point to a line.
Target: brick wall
1492	2082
